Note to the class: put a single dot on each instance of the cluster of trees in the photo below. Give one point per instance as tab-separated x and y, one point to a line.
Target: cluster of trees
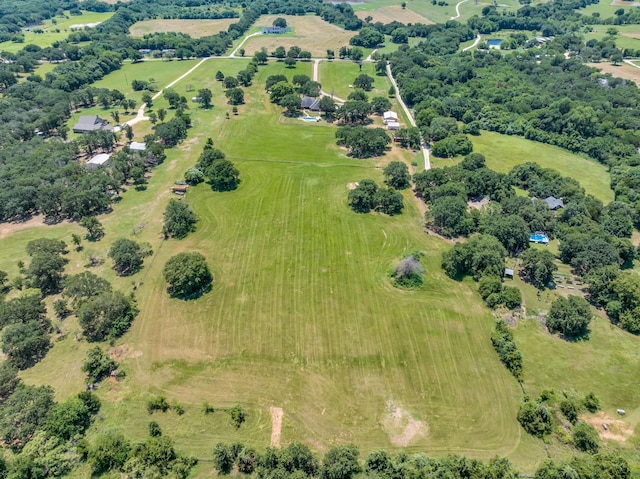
363	142
220	172
342	462
541	416
496	294
618	292
507	349
287	95
367	196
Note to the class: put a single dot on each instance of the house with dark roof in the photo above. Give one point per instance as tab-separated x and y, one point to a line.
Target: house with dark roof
91	123
310	103
554	203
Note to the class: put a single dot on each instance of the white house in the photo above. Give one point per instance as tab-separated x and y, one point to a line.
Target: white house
389	116
98	161
393	125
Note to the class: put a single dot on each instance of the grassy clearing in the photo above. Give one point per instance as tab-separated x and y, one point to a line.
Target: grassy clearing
393	13
310	33
160	72
605	8
628	36
194	28
503	152
302	314
336	77
57	31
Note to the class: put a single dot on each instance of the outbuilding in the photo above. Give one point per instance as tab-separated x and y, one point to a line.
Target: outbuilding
388	116
136	146
393	125
98	161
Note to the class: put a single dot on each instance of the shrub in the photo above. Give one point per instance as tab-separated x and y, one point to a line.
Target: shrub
408	274
507	349
157	404
585	438
535	419
237	415
570	410
591	402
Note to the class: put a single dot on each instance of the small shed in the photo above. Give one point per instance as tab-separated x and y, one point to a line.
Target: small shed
508	273
393	125
196	99
179	189
389	116
98	161
136	146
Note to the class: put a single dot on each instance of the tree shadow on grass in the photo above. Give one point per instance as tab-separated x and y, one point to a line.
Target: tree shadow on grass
191	296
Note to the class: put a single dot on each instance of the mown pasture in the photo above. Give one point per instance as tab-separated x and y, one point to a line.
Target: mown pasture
193	28
52	32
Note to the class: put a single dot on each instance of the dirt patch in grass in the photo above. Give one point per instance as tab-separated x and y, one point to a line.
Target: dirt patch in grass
394	13
276	425
401	427
622	71
7	228
616	430
352	186
309	33
195	28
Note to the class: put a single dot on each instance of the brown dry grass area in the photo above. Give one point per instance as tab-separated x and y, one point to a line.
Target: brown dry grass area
194	28
7	228
276	425
617	430
394	13
622	71
401	427
310	33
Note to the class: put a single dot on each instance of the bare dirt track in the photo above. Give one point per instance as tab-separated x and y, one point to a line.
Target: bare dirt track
624	70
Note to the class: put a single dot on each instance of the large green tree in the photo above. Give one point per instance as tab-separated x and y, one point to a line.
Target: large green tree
127	256
25	343
538	266
23	412
223	175
396	175
179	220
188	275
570	316
107	315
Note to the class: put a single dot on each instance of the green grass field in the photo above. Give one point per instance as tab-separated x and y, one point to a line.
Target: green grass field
336	77
302	314
503	152
57	31
628	35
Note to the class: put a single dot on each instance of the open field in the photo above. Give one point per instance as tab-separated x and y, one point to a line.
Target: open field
503	152
440	14
606	8
622	70
393	13
194	28
310	33
336	77
55	31
302	315
628	35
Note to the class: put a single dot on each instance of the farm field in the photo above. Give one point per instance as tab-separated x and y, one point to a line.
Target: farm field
55	31
503	152
194	28
393	13
606	8
310	33
159	72
622	70
336	76
295	270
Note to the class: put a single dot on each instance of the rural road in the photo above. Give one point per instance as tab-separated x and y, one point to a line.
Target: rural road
474	44
630	62
458	9
425	150
233	53
368	59
316	75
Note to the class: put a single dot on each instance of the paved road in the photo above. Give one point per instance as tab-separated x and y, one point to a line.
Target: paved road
458	9
474	44
233	53
412	121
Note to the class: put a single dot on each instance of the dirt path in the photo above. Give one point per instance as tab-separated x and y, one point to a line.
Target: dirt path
458	9
423	145
7	228
368	59
276	425
474	44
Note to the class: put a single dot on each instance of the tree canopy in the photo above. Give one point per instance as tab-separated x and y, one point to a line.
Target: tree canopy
188	275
